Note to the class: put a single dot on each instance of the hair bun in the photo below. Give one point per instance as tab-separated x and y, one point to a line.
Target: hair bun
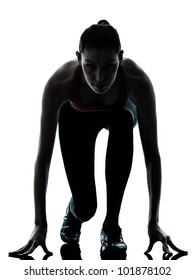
103	22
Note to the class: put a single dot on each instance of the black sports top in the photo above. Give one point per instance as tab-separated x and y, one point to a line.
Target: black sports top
92	108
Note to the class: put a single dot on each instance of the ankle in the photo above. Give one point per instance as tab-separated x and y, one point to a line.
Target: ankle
110	223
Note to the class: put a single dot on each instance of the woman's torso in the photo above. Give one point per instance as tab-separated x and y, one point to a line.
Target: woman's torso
71	87
84	99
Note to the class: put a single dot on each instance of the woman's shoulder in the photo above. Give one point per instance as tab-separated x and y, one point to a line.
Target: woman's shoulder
134	74
136	79
59	85
65	73
132	69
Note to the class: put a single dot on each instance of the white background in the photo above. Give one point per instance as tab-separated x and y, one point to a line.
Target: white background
37	37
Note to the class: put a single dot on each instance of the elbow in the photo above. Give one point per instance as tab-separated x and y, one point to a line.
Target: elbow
42	163
153	158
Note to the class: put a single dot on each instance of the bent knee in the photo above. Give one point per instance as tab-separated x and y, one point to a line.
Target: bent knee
85	213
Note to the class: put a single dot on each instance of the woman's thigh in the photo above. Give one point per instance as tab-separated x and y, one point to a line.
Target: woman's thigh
77	135
120	147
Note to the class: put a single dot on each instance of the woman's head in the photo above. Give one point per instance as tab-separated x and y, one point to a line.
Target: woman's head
99	36
100	55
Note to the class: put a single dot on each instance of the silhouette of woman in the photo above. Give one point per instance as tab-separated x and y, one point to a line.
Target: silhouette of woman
99	89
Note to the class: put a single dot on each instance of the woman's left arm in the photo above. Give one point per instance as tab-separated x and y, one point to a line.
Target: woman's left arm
144	98
146	114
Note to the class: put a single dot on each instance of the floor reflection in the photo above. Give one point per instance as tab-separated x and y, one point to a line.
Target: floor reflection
70	251
27	257
166	256
113	254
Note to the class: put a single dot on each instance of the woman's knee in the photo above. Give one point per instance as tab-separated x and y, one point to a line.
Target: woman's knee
85	211
121	119
126	119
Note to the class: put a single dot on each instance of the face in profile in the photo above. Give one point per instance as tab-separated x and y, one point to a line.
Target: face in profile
100	68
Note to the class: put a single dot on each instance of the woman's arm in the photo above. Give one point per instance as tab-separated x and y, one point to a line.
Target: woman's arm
51	104
49	119
146	113
144	98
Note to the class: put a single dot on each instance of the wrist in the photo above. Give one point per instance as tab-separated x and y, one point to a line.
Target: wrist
42	224
152	223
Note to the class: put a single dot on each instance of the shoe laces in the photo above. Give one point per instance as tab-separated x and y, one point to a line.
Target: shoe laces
72	225
113	231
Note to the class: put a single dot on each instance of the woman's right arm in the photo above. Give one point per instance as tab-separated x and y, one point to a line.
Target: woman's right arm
51	104
49	119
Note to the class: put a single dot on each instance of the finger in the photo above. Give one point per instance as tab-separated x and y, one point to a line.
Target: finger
152	242
148	256
46	257
171	244
21	250
166	256
44	247
165	247
179	255
34	245
21	257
